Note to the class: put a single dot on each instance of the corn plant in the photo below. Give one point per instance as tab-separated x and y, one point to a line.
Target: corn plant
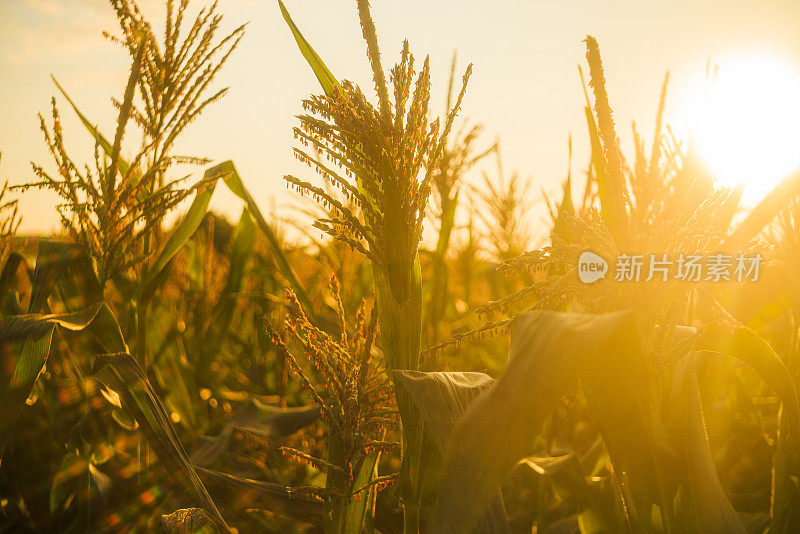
357	407
9	224
647	408
387	156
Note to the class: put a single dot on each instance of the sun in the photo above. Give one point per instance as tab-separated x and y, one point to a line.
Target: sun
746	123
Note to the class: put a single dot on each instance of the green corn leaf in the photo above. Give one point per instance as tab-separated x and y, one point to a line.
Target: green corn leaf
326	79
66	266
241	251
438	399
745	345
123	374
184	231
175	372
105	330
9	273
231	177
441	397
223	313
550	352
500	427
705	507
748	347
28	338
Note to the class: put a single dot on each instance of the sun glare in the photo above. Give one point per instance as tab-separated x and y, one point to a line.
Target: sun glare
746	124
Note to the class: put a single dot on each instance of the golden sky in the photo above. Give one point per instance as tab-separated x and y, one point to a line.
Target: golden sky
525	88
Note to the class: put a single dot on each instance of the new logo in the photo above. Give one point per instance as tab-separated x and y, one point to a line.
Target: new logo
591	267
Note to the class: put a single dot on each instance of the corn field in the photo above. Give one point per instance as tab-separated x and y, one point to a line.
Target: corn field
418	362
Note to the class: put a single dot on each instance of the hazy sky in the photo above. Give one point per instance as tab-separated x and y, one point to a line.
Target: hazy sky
525	87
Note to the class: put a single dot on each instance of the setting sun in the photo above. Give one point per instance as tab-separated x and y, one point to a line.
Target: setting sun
745	123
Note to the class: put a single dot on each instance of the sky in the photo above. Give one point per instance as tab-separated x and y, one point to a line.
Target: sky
525	87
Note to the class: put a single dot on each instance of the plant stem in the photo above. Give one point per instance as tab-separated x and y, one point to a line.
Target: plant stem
401	329
411	517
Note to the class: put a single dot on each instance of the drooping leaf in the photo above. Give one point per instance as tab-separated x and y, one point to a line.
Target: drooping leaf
441	397
549	352
123	374
248	493
185	229
9	272
500	427
27	339
105	330
745	345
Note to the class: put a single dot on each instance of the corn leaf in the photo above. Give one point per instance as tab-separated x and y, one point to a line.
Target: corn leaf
123	374
231	177
705	508
185	229
175	373
438	400
550	352
9	273
245	493
326	79
28	338
66	266
745	345
223	313
748	347
500	427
